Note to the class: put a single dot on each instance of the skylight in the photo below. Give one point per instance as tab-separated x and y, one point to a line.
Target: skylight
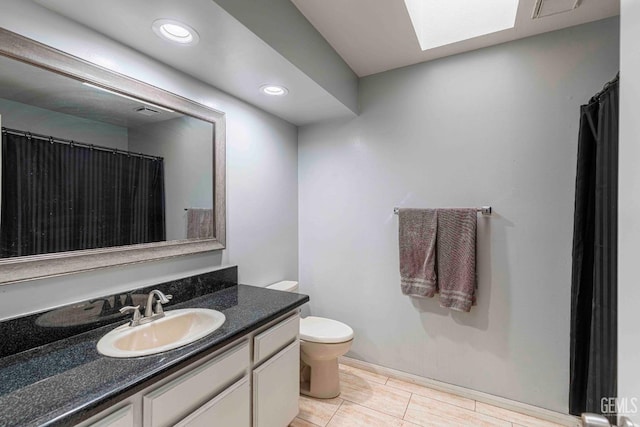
441	22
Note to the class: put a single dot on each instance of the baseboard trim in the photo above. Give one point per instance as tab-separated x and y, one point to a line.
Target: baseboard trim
501	402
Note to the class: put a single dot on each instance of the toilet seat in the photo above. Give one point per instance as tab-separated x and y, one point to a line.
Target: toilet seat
321	330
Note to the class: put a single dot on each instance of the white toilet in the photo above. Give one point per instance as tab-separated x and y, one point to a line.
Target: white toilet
322	341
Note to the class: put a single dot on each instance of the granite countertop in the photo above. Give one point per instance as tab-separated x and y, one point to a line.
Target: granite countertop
66	381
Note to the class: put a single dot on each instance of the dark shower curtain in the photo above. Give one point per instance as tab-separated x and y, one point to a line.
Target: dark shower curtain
593	364
58	197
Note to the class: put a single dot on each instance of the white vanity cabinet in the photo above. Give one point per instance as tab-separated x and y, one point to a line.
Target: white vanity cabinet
123	417
276	388
230	408
174	401
254	381
276	374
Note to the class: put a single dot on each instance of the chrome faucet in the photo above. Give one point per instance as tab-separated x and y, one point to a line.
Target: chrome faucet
137	317
162	299
149	314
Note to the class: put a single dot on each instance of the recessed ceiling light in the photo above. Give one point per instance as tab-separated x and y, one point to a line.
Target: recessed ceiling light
438	22
274	90
175	31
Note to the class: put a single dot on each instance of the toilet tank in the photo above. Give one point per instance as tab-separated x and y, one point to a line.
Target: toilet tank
285	285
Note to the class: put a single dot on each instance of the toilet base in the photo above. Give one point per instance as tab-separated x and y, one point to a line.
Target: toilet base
321	381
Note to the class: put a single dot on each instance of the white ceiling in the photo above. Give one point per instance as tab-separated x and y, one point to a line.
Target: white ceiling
377	35
229	56
370	35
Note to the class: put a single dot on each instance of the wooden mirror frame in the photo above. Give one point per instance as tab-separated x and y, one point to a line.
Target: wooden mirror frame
20	269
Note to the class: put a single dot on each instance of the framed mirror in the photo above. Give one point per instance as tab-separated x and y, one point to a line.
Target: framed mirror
99	169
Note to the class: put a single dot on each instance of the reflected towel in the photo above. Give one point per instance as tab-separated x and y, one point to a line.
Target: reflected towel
456	247
417	241
199	223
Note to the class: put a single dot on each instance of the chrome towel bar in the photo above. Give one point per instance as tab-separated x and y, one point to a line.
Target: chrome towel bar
484	210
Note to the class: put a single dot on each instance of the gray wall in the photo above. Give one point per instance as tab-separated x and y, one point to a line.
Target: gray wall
301	44
186	144
495	126
629	206
262	200
21	116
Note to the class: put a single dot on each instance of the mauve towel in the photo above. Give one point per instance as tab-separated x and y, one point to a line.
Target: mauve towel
417	241
456	247
199	223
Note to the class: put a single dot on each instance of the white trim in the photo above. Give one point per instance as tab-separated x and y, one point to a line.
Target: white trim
501	402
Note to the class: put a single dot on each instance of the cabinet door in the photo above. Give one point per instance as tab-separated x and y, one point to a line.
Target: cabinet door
123	417
275	338
276	386
175	400
231	408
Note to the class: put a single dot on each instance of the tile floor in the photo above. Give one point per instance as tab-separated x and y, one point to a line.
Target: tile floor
371	400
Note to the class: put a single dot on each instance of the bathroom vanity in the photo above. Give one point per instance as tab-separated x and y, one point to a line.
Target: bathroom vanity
218	389
246	373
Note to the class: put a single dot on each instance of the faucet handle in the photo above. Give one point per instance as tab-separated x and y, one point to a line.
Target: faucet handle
136	314
159	310
163	298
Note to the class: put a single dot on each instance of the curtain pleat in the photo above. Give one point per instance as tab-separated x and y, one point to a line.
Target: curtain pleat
60	197
593	352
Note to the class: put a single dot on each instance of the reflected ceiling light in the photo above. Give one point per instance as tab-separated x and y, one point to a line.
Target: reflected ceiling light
131	98
175	31
274	90
442	22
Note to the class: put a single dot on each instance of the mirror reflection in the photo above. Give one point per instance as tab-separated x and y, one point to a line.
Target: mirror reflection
85	168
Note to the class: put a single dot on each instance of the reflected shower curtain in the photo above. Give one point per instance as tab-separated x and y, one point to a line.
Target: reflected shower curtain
57	197
593	361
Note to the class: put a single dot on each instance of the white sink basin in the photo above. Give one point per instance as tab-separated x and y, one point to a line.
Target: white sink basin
175	329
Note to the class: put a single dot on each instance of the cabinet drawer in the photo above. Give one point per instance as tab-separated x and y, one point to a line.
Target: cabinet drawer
181	396
275	338
276	388
123	417
231	408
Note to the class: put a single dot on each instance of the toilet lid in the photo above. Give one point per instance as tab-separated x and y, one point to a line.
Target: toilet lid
319	329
